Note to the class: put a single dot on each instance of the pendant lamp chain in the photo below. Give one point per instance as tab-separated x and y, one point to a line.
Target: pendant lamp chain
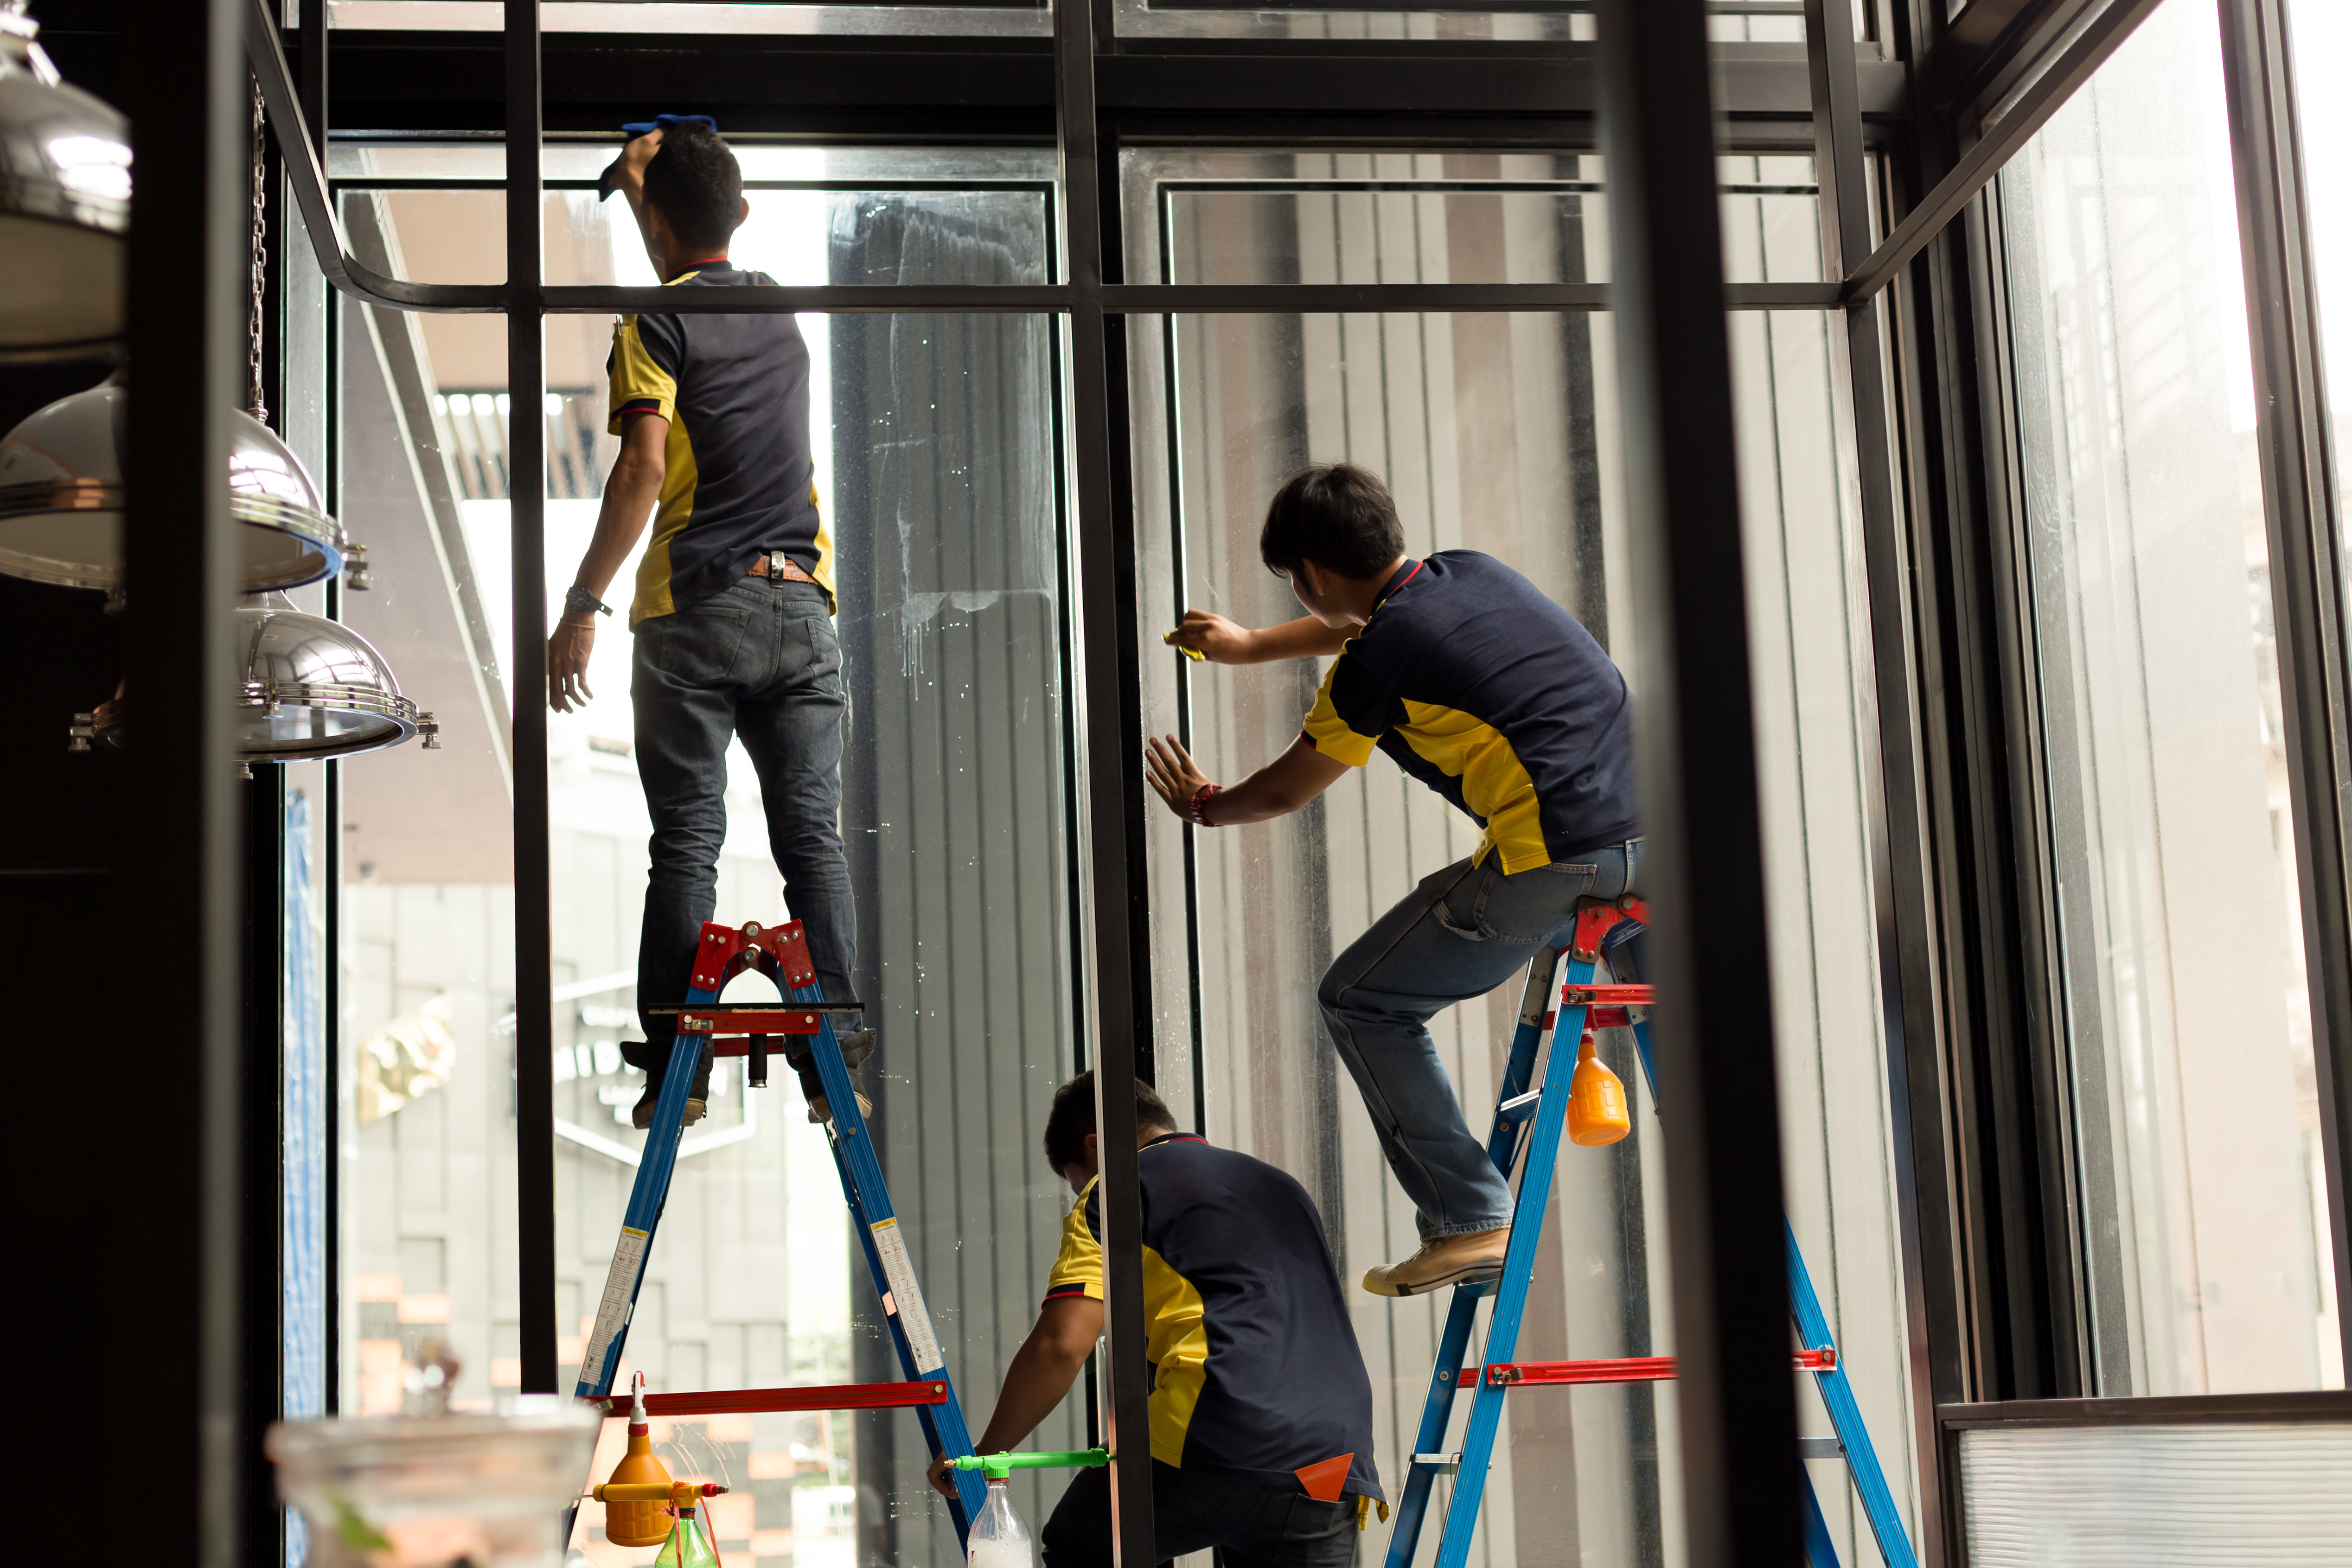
260	268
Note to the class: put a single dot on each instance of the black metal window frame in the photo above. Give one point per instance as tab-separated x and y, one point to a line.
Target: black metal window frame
1906	136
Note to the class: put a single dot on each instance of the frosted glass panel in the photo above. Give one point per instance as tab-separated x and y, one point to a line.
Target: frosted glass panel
2238	1494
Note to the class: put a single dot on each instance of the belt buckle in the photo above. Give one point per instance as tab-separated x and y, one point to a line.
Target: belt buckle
776	563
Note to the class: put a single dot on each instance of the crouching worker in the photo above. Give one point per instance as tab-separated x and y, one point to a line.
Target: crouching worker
1261	1411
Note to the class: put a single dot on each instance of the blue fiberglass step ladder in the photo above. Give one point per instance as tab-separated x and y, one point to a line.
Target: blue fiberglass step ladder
1582	1004
782	954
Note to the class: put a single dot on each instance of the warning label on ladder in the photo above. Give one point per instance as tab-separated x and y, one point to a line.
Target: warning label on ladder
612	1312
906	1296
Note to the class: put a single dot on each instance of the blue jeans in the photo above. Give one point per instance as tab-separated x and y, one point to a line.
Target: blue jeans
1460	934
758	659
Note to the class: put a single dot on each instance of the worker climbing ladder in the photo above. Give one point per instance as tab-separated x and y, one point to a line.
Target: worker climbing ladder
734	1029
1583	1005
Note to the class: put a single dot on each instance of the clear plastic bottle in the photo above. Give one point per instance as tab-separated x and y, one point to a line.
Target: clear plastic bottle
997	1538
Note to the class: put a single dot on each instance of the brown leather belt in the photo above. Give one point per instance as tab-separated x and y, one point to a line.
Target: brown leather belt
781	567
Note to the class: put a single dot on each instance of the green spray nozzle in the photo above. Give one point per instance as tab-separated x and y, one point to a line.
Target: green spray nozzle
1000	1467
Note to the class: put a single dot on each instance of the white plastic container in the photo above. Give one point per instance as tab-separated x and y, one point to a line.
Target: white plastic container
405	1492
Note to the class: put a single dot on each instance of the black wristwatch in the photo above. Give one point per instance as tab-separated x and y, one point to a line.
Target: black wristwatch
578	600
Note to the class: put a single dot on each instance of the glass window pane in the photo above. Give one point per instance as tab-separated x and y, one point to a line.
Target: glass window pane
1497	434
426	963
1731	21
2187	1026
933	440
1429	217
978	18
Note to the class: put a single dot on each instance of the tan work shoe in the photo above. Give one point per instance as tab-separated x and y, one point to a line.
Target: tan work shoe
819	1109
641	1114
1444	1260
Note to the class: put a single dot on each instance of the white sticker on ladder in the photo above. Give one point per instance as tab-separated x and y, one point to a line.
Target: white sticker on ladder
914	1318
612	1312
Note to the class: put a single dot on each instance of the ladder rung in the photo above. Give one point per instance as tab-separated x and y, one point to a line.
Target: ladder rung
1448	1462
767	1020
1819	1449
745	1401
1618	1369
762	1008
1520	1107
1606	995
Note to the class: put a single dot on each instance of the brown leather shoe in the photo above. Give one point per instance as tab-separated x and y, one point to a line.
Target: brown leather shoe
1444	1260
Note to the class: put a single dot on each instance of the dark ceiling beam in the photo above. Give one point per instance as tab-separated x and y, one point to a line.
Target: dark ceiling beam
965	88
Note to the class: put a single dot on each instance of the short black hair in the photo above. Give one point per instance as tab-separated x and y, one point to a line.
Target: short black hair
697	184
1335	515
1073	1117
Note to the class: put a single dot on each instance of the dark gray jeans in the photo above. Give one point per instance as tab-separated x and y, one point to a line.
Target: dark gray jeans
758	659
1248	1526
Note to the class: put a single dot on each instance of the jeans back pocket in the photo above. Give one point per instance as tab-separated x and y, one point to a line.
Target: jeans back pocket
699	645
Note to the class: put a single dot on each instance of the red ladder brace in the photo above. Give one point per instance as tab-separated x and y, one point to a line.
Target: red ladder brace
1621	1369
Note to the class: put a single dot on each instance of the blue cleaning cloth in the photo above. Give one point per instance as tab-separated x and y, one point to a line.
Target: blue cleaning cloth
638	127
609	182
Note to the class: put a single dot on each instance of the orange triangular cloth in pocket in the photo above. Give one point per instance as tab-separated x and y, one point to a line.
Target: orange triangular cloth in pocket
1324	1478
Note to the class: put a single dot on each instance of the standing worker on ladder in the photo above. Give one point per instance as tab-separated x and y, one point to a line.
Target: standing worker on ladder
1261	1409
1481	688
733	611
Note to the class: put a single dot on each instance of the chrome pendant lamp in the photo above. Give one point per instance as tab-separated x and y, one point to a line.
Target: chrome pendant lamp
61	491
65	205
309	688
61	500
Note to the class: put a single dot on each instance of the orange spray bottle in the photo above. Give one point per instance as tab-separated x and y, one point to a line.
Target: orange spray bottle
1596	1100
639	1523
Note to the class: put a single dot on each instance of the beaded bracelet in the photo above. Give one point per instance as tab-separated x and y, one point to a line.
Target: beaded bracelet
1198	809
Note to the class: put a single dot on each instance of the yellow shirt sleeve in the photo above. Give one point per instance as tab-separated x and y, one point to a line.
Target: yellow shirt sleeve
1078	1270
638	383
1328	732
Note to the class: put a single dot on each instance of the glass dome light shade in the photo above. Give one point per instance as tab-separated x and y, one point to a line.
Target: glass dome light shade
312	688
64	207
61	499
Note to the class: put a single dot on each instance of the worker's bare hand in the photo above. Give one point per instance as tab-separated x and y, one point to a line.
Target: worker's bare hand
1173	776
1210	635
942	1475
630	177
567	666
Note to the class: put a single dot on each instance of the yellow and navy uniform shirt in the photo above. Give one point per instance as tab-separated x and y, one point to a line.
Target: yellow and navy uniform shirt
1255	1371
740	482
1494	696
